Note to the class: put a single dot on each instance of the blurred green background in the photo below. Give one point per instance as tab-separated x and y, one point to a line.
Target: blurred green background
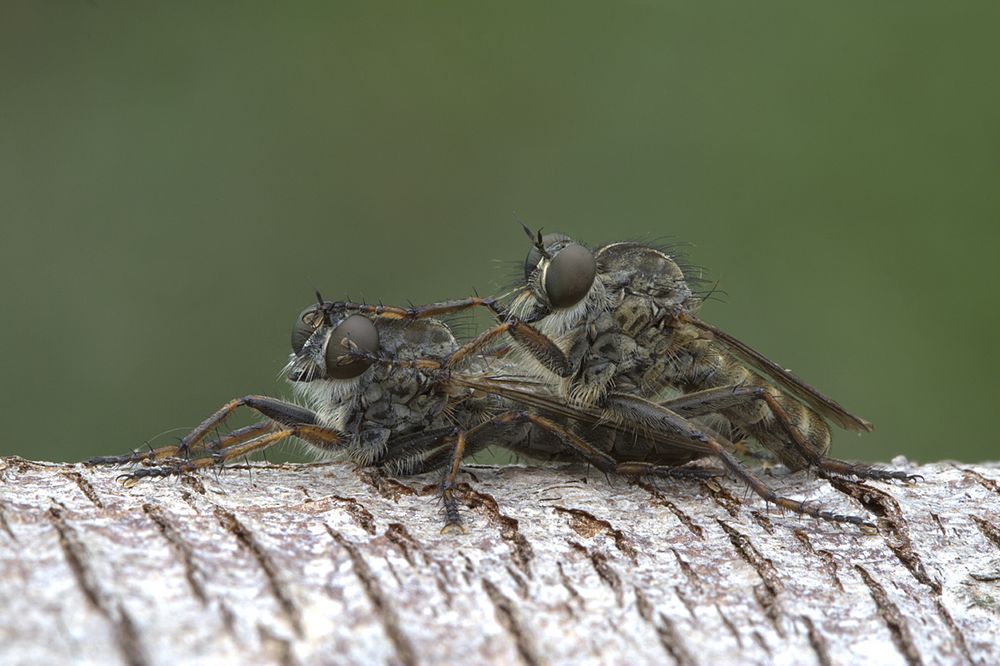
177	178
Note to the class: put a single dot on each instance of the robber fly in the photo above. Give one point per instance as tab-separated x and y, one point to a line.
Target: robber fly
402	416
625	317
613	329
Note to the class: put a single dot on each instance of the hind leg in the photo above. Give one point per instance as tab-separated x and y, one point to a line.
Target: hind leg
709	401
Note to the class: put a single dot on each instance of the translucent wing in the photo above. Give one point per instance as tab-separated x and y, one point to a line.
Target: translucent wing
786	380
526	392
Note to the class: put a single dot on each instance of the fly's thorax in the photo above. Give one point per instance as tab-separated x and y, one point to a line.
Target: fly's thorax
639	291
417	338
641	269
634	313
609	361
403	398
395	404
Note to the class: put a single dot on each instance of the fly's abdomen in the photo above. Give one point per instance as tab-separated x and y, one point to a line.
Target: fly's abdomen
772	434
710	368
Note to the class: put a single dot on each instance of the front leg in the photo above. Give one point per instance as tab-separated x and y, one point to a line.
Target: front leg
536	343
543	349
417	311
220	456
284	420
279	411
172	450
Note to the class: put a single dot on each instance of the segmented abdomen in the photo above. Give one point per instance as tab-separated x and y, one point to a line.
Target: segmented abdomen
699	364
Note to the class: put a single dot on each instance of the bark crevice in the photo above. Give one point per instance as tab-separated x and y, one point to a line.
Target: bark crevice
304	564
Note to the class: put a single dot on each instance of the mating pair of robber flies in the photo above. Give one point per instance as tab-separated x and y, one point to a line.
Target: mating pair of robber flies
577	367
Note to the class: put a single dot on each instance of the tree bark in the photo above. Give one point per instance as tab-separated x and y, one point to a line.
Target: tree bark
323	563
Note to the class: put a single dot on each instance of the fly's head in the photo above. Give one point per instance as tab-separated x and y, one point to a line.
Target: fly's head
562	284
322	335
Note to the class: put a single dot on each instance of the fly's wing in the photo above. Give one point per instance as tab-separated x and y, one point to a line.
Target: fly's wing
786	380
526	392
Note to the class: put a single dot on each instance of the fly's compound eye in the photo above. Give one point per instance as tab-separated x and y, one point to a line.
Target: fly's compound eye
305	325
535	255
569	275
361	332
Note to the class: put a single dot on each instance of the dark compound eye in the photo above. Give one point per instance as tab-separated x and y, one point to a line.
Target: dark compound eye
569	275
305	325
534	256
361	331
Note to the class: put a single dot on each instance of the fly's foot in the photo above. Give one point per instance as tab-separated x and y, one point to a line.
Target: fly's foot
869	472
177	467
814	509
134	458
452	514
452	528
130	479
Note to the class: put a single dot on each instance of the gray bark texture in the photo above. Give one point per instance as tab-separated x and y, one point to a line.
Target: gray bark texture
326	564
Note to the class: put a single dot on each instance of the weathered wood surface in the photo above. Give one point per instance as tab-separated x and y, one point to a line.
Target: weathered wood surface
321	564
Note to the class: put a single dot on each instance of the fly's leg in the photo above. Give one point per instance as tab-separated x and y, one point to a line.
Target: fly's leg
642	411
317	435
538	345
222	455
427	451
420	311
283	420
434	449
717	399
278	411
487	432
606	463
457	443
452	516
543	349
599	459
178	467
536	342
353	353
838	467
709	401
712	401
171	451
